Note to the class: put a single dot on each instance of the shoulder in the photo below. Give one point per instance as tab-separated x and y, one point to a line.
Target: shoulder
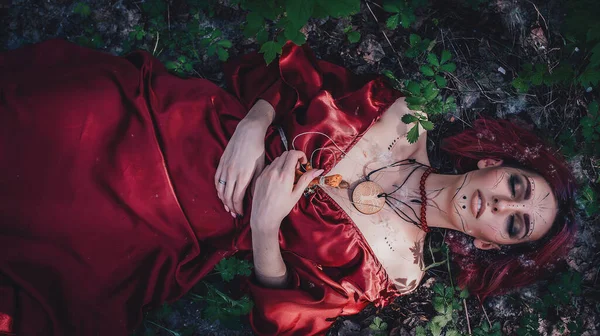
417	150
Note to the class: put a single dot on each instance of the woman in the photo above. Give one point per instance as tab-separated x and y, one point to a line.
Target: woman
122	186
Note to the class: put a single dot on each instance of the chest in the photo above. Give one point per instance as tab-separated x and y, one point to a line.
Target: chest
391	239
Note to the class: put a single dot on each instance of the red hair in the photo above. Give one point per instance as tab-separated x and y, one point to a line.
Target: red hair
495	272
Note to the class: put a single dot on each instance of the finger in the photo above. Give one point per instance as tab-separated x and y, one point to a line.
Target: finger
221	190
238	194
228	195
305	180
292	160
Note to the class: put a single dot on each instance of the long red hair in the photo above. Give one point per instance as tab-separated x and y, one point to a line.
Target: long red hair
494	272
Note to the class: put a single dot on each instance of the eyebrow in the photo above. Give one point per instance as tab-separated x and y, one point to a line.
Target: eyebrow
527	189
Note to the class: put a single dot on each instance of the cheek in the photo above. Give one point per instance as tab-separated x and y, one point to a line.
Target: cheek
489	230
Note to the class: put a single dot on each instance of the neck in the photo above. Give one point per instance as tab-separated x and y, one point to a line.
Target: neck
446	199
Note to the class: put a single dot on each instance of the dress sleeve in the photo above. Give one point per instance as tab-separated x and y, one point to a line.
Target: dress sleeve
291	83
308	306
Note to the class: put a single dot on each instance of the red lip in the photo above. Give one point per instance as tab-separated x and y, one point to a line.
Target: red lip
477	196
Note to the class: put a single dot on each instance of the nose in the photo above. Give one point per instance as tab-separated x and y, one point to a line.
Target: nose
502	204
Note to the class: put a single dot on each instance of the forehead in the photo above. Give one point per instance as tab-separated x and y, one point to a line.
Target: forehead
542	206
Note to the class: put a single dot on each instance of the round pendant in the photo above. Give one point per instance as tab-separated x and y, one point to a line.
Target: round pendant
365	200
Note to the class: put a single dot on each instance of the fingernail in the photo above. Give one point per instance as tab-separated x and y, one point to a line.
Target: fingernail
233	214
226	208
319	172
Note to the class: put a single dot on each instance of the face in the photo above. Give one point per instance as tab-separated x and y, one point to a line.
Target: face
501	205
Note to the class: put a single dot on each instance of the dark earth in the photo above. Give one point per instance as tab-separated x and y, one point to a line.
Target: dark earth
489	41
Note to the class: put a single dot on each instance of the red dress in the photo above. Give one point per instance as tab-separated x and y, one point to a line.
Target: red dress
107	200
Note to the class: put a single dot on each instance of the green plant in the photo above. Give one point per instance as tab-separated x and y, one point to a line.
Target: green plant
425	94
378	326
353	35
90	38
403	12
560	294
214	44
274	22
220	306
82	9
138	33
590	127
589	201
486	330
418	46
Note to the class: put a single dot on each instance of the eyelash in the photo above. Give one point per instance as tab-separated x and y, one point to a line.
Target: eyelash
511	226
512	181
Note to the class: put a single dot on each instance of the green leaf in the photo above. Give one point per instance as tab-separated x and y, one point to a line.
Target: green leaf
433	60
414	39
211	50
225	43
449	292
464	294
438	288
409	118
228	268
389	74
407	18
270	50
415	100
414	88
448	67
436	330
452	332
340	8
353	36
82	9
391	7
393	21
420	331
446	56
440	81
262	37
427	70
439	305
254	23
413	135
440	320
171	65
427	125
593	108
223	54
430	92
298	12
295	36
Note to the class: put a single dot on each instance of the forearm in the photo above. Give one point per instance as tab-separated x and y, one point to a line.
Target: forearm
269	266
261	114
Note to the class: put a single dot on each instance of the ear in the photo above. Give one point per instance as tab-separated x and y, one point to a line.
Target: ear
484	245
489	162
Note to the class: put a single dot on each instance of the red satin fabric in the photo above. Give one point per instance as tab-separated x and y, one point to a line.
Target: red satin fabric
107	199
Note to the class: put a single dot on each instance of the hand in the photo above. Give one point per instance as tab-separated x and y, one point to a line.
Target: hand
275	194
242	161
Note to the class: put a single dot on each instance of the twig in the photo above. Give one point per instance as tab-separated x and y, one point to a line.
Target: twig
540	15
386	37
169	16
156	45
484	312
467	313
